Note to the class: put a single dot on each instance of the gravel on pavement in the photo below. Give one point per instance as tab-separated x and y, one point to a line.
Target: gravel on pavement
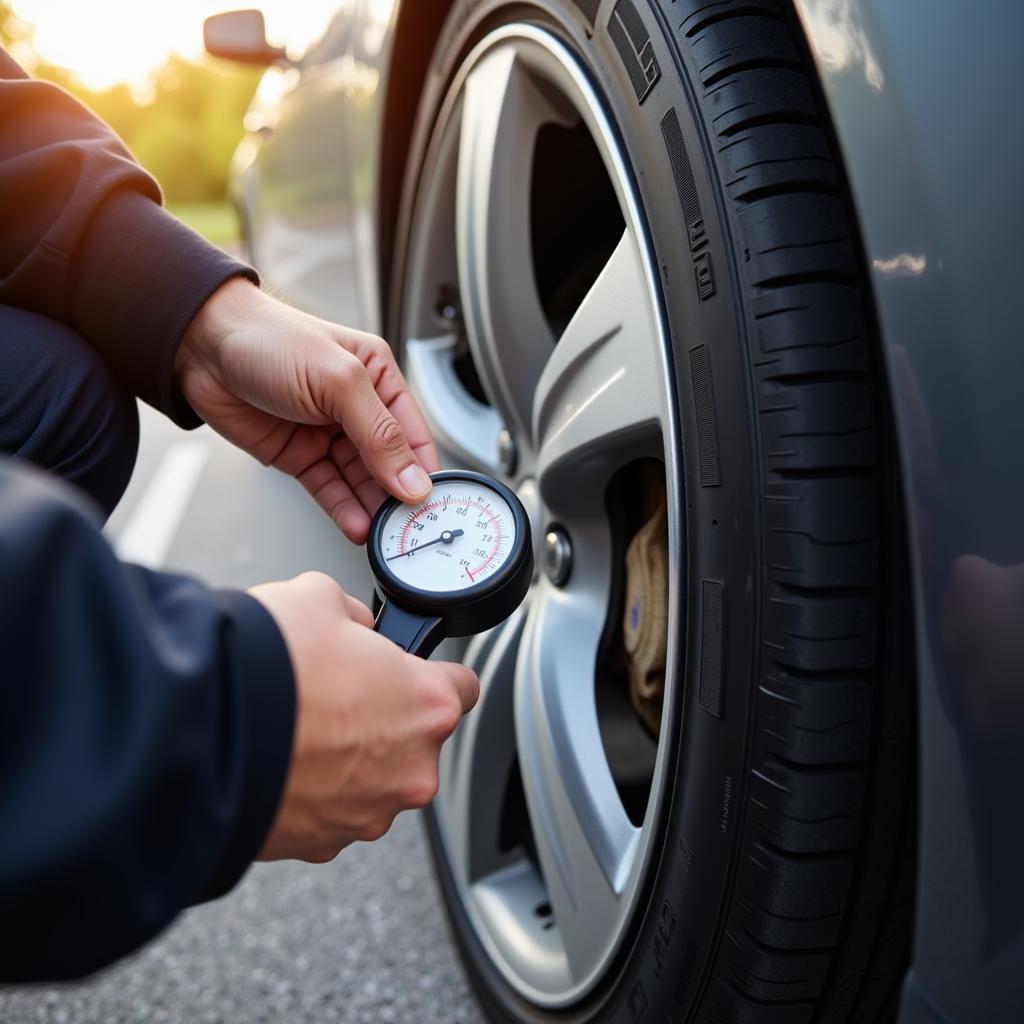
362	940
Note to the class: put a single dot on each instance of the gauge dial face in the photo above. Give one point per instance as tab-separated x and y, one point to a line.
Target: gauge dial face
459	537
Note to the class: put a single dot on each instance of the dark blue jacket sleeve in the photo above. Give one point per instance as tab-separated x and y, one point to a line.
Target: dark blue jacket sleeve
84	240
145	734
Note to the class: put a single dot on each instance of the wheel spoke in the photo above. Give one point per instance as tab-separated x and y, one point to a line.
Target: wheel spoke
549	889
507	330
585	842
466	430
477	760
599	398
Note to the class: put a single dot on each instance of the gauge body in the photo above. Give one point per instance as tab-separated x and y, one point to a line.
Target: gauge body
461	561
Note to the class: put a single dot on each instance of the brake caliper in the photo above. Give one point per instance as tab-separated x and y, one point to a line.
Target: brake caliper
645	618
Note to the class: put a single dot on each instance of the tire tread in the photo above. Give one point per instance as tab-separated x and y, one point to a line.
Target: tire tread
815	394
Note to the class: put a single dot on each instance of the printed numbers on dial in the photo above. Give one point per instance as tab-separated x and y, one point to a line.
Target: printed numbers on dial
459	537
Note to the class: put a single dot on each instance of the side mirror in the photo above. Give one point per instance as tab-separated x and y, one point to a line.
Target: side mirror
240	36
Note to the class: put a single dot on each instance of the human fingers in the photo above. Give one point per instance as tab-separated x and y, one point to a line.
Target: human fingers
406	410
324	481
462	680
358	611
382	367
349	396
356	474
326	590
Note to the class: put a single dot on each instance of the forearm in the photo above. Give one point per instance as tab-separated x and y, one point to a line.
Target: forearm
86	242
144	738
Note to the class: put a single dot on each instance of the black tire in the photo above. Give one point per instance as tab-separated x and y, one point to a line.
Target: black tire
781	891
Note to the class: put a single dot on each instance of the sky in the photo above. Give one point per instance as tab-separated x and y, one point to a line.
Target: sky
109	41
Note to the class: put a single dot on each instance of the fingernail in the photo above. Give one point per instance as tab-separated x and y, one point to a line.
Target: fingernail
414	481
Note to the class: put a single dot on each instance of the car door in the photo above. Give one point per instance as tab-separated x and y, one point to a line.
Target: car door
296	183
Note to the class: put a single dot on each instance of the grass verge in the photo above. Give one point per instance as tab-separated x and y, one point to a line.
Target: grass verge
215	221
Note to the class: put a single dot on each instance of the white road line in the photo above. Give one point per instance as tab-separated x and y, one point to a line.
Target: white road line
153	524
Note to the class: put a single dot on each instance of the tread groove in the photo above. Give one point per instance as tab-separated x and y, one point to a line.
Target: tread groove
831	473
810	277
838	592
707	20
763	120
818	377
754	64
832	857
836	768
793	188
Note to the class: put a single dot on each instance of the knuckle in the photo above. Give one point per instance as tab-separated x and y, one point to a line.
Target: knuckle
349	371
448	715
375	829
386	437
473	686
422	789
379	347
438	702
360	612
323	856
320	584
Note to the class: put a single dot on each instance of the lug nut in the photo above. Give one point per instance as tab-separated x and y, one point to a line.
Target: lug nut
507	454
557	556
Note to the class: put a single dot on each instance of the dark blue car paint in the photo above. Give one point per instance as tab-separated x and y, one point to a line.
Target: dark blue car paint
927	99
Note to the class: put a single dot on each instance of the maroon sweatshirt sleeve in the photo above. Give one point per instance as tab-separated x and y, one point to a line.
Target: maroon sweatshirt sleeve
84	240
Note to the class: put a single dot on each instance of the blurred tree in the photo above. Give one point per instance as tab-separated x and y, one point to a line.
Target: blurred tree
184	128
7	29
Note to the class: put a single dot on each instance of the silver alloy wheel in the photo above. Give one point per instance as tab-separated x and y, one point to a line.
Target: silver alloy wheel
577	408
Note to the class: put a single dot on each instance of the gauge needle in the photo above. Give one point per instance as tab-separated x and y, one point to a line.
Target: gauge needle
446	538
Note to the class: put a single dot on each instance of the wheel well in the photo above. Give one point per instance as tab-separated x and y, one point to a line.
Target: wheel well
416	31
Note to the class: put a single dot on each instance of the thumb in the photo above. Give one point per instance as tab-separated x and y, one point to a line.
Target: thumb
353	402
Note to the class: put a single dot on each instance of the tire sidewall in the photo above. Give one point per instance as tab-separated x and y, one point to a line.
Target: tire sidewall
660	970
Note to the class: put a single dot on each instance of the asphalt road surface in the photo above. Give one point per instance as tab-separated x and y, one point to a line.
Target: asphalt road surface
360	940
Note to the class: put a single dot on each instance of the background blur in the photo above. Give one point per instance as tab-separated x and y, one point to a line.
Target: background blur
141	67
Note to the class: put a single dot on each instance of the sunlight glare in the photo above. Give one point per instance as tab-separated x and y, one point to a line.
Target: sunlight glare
109	41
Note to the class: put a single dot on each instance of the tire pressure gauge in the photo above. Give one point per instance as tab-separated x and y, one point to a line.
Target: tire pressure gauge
454	565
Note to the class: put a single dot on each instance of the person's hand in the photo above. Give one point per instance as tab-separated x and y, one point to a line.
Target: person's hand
322	402
369	725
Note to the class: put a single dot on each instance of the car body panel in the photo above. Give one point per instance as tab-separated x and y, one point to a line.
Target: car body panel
927	102
925	98
293	175
373	38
